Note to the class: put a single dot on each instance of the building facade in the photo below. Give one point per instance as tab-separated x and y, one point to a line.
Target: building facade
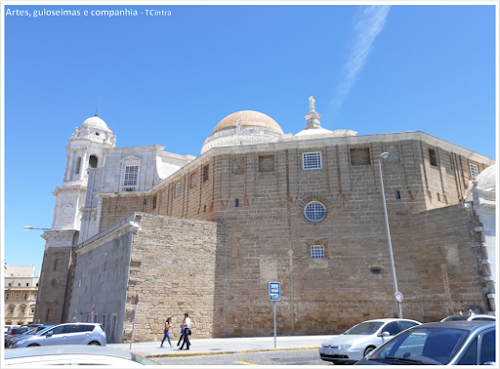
21	292
206	235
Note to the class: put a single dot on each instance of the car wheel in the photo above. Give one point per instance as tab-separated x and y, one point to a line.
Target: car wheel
33	345
368	350
94	343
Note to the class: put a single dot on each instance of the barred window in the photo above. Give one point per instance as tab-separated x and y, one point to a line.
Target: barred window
473	170
131	172
311	160
315	211
177	189
317	252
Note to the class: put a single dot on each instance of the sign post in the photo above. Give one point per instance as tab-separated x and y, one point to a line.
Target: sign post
136	303
274	295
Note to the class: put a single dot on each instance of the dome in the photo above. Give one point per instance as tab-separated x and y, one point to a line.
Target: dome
487	179
248	118
95	122
245	127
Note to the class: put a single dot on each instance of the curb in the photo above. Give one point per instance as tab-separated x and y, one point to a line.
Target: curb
229	352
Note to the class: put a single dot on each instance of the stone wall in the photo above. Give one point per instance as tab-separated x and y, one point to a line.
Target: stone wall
172	269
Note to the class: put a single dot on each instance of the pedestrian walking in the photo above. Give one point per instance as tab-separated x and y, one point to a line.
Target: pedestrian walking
182	335
187	331
168	324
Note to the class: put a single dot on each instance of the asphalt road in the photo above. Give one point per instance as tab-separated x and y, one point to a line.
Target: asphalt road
292	357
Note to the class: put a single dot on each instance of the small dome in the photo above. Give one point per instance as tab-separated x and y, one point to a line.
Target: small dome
487	179
95	122
248	118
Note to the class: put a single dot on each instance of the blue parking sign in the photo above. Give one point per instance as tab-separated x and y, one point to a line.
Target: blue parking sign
274	291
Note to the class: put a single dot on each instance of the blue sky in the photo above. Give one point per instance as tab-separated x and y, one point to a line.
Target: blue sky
169	80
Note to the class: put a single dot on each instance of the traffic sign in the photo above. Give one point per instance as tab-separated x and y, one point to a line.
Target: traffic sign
399	296
274	291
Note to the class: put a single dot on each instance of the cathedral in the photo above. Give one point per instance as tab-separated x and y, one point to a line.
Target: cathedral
206	235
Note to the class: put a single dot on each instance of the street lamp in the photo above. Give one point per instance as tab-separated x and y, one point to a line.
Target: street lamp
382	157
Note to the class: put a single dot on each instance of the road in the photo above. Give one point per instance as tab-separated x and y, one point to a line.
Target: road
292	357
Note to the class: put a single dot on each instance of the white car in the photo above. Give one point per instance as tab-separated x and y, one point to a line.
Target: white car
354	344
469	318
31	357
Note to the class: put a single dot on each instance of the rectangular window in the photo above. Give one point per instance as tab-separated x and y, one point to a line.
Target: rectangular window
23	310
238	165
17	296
32	310
7	296
12	310
192	180
37	284
177	189
56	264
131	172
317	252
360	156
34	296
154	202
266	163
10	284
19	285
236	203
25	296
27	284
205	173
311	160
473	170
433	157
398	195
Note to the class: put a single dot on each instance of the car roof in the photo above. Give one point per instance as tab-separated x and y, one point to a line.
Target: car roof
389	320
459	324
65	350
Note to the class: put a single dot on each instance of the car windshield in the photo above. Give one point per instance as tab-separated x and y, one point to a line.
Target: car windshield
31	331
365	328
435	346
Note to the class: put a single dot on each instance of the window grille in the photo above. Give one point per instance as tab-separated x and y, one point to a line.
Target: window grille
473	170
315	211
311	160
177	190
131	172
317	252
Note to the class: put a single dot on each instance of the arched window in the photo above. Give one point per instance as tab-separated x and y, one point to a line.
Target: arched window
78	165
93	161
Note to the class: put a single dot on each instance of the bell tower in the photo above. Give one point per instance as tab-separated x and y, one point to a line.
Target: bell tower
85	154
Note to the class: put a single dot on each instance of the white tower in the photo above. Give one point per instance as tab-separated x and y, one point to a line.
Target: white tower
86	149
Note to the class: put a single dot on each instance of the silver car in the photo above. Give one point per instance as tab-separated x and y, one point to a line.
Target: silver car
357	342
66	334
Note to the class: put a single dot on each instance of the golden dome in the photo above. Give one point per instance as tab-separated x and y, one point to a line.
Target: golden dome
246	119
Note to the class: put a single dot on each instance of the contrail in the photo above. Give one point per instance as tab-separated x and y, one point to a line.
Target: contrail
371	22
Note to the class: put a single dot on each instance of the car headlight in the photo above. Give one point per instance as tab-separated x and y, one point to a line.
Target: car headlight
345	346
19	342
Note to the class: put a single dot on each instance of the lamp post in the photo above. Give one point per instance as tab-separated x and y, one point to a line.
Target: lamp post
381	157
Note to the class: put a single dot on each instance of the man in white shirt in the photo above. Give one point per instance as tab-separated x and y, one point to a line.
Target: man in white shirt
187	331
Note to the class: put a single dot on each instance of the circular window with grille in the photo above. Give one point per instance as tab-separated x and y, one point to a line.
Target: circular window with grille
315	211
54	282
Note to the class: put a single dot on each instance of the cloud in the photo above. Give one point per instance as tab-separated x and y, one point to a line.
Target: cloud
371	22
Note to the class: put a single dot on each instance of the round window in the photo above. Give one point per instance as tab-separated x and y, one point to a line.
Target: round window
315	211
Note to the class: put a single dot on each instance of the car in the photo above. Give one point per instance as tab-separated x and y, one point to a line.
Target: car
14	332
355	343
66	334
439	343
29	357
452	318
9	341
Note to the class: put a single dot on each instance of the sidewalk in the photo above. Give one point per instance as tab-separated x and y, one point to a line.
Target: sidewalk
215	346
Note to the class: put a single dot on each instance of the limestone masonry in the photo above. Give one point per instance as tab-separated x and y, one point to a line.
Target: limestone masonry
205	235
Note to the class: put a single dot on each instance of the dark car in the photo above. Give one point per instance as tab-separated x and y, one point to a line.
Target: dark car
443	343
9	341
16	331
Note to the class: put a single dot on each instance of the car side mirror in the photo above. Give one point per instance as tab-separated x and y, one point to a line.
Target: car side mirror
49	334
384	334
